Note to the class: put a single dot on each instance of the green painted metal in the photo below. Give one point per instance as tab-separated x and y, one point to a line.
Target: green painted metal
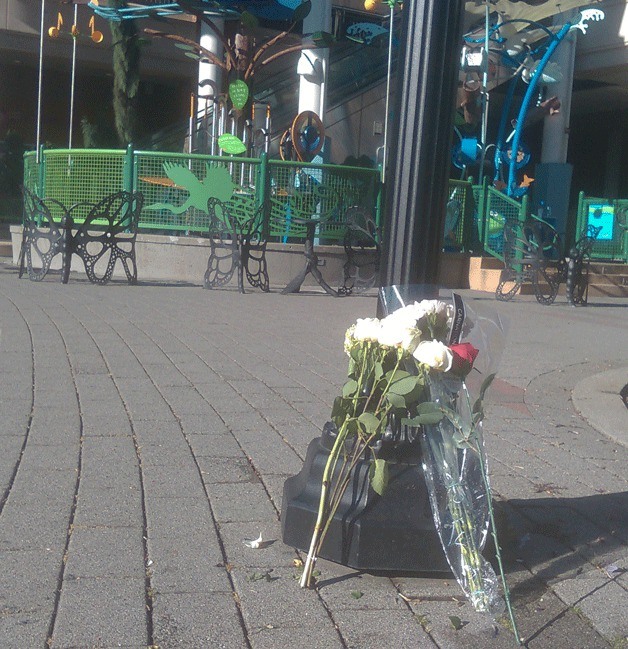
498	209
612	244
262	191
176	187
129	175
458	234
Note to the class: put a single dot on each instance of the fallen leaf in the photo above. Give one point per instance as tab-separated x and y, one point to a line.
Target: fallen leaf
456	622
356	594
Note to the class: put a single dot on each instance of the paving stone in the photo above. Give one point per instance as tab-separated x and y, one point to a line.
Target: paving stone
394	629
244	502
117	505
105	552
101	611
215	445
28	580
273	554
23	629
197	620
17	531
275	598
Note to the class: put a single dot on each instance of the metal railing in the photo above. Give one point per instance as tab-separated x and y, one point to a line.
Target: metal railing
290	193
494	210
611	243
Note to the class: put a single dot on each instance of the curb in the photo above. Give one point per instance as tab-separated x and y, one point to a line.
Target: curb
598	399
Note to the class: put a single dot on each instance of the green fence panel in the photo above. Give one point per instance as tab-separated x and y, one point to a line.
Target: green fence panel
31	172
166	178
291	193
303	191
499	209
612	216
457	232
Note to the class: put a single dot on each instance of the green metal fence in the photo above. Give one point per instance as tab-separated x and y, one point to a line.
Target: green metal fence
458	232
300	192
292	193
612	217
494	210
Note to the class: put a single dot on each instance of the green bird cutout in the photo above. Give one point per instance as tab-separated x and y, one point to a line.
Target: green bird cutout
216	184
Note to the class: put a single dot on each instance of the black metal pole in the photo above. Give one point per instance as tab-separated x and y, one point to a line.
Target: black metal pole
416	187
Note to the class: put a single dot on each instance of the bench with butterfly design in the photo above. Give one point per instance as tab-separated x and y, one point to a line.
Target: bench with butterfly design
100	233
532	253
236	245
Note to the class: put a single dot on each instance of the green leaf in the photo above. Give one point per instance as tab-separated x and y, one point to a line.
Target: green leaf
423	420
456	622
428	413
379	476
323	39
238	93
349	388
396	401
340	409
429	407
477	406
356	594
249	20
462	440
356	354
231	144
401	382
370	422
302	11
453	417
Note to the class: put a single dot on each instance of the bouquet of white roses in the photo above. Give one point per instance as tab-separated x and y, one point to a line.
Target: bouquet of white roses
407	373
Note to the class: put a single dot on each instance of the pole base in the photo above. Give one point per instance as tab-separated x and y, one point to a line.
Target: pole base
394	532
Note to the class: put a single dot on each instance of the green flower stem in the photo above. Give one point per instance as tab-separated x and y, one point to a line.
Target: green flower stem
341	485
332	490
306	578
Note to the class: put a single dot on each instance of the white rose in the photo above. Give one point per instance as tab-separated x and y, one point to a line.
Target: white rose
398	331
437	307
434	354
410	313
366	329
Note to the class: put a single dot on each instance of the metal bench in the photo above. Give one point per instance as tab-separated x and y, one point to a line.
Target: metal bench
99	233
236	246
532	253
361	244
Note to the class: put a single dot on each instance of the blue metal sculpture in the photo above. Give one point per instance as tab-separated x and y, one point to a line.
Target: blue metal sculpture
527	52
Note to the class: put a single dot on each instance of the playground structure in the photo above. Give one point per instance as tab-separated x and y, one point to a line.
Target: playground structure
239	128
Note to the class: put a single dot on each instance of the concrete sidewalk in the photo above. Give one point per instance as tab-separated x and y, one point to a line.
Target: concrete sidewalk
145	431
